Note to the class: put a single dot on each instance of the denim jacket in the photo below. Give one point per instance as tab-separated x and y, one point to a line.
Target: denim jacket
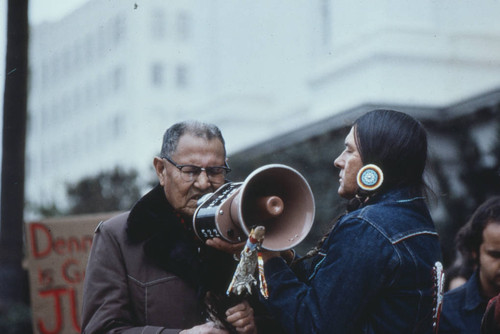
372	275
463	308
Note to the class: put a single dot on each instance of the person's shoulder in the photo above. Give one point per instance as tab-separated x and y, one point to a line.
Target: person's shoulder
364	220
114	224
455	295
451	320
373	214
399	214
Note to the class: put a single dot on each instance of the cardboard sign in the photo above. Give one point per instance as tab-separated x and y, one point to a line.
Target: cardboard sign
58	250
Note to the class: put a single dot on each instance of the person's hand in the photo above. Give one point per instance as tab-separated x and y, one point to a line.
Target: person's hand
226	246
206	328
241	317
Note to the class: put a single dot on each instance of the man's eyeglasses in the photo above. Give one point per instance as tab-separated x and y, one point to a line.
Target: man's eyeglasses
189	173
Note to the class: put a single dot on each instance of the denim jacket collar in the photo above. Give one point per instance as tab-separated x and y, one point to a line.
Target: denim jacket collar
404	194
473	296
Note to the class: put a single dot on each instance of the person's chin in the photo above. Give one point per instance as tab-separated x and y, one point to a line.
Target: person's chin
188	211
192	205
340	190
342	193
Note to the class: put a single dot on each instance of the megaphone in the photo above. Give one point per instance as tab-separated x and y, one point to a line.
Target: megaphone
274	196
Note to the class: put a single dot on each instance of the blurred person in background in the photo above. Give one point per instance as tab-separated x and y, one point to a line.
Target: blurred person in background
479	241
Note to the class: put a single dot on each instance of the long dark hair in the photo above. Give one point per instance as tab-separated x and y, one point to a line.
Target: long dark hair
470	237
395	142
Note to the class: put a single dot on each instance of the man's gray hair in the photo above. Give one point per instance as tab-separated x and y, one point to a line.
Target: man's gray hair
195	128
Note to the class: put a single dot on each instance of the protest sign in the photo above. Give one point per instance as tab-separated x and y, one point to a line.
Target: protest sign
57	253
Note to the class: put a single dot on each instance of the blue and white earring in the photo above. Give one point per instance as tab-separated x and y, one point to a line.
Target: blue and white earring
370	177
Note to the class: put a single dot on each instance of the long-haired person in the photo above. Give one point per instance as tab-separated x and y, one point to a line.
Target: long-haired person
373	272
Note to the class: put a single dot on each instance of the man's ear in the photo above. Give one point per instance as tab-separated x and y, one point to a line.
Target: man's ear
160	169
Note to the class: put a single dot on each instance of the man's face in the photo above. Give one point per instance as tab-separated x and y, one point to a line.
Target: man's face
489	260
349	162
191	150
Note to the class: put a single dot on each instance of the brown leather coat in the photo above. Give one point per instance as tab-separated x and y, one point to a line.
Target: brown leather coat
147	274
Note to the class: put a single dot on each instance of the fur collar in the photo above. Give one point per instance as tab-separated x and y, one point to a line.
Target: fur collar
172	245
152	214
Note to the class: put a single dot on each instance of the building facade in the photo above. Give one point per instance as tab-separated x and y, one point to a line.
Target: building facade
108	79
105	83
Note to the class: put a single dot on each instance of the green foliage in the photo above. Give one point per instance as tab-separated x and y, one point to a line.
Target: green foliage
51	210
480	180
108	191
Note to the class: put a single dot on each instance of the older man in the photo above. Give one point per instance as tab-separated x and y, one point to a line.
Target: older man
147	273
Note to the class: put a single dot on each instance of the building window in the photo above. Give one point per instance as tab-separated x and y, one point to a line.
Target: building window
158	75
76	55
79	98
118	30
117	126
326	21
88	94
183	26
181	76
158	24
89	49
117	79
66	62
55	66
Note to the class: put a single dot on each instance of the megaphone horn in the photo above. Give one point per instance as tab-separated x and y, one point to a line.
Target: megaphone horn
274	196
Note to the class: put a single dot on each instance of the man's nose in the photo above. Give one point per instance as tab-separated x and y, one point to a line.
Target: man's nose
338	162
202	181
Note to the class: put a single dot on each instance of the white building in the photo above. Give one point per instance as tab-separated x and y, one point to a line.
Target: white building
108	79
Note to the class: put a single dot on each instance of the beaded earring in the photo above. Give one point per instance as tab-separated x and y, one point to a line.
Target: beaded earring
370	177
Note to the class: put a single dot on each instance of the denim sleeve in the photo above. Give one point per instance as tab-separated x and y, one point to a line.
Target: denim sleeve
358	261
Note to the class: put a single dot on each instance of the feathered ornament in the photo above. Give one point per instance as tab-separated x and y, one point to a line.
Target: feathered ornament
250	261
243	280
